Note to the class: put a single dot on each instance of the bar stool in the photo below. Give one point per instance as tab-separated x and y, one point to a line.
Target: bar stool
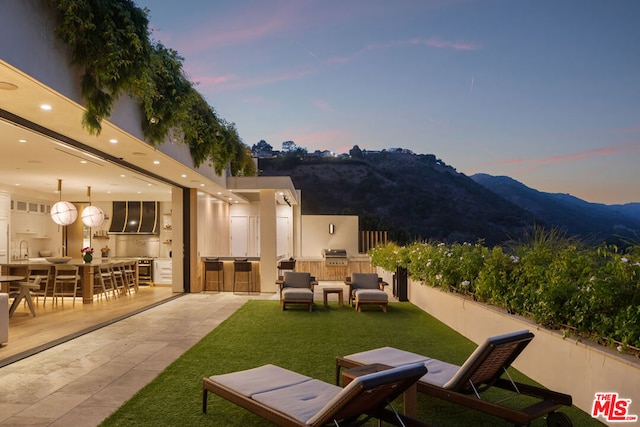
65	282
107	280
130	274
214	265
242	267
286	265
120	278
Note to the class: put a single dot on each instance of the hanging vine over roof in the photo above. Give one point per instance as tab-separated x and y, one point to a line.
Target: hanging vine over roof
110	40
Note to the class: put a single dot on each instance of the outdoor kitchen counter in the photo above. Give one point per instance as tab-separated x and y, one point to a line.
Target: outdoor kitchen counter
227	276
316	266
87	271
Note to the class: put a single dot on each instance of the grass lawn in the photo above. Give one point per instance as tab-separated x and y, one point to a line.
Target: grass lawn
307	343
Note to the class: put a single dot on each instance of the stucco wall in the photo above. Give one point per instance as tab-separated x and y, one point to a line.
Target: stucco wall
316	235
565	365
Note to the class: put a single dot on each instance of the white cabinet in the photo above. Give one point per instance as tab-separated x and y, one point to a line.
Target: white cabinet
32	218
162	271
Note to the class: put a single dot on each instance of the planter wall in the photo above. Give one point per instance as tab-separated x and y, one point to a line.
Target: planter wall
580	369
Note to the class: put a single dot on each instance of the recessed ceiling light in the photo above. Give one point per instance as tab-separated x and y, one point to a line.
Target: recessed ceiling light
219	193
113	141
122	175
17	185
139	192
156	162
84	162
22	140
183	175
201	185
45	107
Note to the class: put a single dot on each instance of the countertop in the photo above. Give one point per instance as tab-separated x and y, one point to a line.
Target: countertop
231	258
74	261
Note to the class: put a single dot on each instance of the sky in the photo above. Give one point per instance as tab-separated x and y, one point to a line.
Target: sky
546	92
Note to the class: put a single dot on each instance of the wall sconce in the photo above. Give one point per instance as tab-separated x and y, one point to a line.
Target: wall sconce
63	213
332	228
92	216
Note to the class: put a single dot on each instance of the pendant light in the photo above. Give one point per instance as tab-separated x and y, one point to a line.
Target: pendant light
63	213
92	216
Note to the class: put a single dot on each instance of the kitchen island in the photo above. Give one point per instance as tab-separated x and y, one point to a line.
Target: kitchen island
87	272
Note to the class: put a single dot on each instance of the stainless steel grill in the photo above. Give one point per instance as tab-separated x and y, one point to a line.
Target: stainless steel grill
335	257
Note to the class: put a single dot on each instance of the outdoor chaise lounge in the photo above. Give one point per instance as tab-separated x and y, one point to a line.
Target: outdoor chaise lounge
288	398
366	289
482	370
296	288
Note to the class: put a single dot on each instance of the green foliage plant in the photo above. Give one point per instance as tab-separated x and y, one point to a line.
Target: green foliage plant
557	281
110	41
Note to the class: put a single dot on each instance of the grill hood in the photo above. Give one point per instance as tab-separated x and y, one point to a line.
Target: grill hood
134	218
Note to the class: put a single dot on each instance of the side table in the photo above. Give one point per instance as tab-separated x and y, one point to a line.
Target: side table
327	291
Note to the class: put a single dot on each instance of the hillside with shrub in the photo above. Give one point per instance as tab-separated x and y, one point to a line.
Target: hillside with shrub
419	197
411	196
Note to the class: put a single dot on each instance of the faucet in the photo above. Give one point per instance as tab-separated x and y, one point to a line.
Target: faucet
25	254
62	248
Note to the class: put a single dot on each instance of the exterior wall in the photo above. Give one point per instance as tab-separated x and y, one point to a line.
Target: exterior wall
316	237
562	364
213	226
39	53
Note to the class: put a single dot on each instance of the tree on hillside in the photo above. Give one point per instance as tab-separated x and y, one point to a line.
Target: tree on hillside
262	147
356	152
291	149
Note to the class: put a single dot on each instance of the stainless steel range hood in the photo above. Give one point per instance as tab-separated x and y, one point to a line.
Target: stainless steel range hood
134	218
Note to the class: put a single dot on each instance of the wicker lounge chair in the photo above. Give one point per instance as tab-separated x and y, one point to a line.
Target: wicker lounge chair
296	288
482	370
366	289
287	398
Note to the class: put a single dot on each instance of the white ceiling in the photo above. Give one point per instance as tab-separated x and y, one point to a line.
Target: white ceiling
33	161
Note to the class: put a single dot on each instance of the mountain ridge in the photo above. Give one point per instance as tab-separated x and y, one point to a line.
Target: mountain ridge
419	197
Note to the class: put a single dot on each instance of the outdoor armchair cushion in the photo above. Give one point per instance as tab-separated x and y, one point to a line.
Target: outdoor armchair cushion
296	288
366	289
294	279
365	281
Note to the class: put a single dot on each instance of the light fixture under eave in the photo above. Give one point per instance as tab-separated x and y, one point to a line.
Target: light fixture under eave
63	213
92	216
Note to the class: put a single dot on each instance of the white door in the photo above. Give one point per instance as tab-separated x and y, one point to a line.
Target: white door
239	236
283	237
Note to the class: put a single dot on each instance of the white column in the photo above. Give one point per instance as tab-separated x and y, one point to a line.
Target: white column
268	241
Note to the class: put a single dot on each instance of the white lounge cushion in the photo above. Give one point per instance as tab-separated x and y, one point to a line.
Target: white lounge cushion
439	372
300	401
259	380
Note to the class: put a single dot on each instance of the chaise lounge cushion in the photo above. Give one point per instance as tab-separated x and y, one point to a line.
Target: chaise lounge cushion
438	372
259	380
301	401
306	400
